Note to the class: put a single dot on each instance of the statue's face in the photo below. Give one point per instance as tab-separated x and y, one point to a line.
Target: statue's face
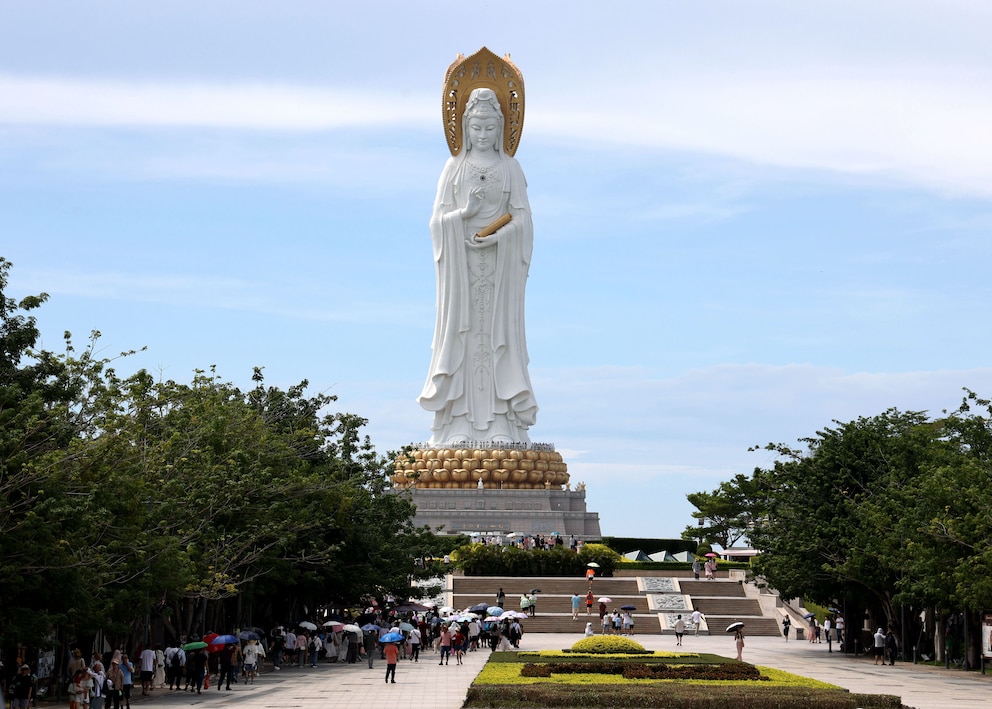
483	133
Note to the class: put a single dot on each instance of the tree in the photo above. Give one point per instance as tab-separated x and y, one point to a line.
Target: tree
198	504
726	514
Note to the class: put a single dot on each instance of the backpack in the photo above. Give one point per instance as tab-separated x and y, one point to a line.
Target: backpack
176	662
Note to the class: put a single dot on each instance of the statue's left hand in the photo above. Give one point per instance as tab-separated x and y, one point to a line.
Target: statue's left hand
485	241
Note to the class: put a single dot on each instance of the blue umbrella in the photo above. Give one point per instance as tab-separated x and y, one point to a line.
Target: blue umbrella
248	635
369	627
224	640
494	610
391	638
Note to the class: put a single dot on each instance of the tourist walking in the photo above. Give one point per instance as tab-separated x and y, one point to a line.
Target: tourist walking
226	666
115	685
891	646
415	644
127	669
739	641
175	660
589	601
99	680
786	627
500	597
679	630
82	684
196	668
158	679
253	654
21	689
445	645
392	653
369	642
697	619
148	661
710	568
879	646
576	602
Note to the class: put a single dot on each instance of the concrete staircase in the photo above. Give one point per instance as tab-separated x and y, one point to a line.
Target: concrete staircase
722	601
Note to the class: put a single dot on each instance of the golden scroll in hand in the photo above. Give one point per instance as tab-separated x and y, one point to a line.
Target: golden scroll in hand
494	227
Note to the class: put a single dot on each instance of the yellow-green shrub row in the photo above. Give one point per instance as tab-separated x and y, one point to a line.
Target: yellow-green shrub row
509	673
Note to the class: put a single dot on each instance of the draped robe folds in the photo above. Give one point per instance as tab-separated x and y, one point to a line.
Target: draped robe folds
478	385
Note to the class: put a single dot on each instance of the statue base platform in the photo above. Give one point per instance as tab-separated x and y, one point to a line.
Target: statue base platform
507	466
494	488
501	512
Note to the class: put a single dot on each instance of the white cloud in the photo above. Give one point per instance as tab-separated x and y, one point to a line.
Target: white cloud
920	125
251	106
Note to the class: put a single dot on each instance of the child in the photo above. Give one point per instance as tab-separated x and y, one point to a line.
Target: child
82	683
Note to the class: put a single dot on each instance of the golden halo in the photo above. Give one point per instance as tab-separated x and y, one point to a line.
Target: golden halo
483	70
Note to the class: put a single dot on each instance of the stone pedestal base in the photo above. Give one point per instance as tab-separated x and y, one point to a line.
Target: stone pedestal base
501	512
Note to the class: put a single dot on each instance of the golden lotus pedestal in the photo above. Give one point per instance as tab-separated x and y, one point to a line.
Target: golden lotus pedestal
523	490
496	468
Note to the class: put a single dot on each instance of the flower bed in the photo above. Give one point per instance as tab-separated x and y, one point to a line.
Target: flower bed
672	680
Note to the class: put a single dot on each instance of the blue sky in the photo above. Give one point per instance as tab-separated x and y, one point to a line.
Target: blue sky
750	218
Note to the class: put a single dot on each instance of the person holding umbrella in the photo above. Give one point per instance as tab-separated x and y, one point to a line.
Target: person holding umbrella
226	658
533	602
738	630
628	620
196	667
391	649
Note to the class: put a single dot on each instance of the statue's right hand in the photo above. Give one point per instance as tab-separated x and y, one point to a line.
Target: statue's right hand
474	202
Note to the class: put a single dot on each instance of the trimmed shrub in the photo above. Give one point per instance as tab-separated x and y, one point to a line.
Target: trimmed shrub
609	645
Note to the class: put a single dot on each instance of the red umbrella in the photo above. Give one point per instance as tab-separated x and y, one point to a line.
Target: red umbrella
208	639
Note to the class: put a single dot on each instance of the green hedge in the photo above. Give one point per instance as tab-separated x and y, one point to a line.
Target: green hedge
672	696
495	560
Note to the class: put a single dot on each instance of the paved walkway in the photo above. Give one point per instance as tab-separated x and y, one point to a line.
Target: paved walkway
425	685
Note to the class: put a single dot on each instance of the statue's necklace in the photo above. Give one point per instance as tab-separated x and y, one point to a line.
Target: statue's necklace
482	175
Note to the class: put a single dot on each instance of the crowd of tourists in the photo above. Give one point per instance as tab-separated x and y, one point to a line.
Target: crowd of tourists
108	680
528	542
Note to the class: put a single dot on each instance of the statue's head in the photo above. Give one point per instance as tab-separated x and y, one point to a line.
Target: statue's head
482	124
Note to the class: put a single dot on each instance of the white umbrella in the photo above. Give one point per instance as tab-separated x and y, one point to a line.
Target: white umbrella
592	565
606	599
308	625
351	628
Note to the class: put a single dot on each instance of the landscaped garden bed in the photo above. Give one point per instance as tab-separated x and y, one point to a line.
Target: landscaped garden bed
580	678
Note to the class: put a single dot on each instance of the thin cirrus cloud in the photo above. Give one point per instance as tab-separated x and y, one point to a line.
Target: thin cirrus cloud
926	131
83	102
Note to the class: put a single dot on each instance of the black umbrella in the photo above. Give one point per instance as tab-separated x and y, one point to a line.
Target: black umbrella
535	590
411	606
734	626
809	615
479	608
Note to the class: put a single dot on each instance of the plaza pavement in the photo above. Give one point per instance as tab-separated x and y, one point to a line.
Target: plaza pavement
425	685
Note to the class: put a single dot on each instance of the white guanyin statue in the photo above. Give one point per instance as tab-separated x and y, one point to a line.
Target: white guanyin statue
478	386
